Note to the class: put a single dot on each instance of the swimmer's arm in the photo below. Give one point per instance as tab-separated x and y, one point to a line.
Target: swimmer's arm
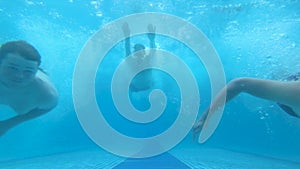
49	103
5	125
151	36
126	32
127	46
152	40
152	47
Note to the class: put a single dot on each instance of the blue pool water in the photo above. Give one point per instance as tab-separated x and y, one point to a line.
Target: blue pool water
257	38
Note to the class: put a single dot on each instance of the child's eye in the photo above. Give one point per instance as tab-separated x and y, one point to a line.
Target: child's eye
28	72
12	68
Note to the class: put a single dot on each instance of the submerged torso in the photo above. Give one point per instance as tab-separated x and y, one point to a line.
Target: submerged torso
26	98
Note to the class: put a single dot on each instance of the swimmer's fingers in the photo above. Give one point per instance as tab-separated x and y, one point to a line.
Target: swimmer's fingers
151	28
196	130
126	29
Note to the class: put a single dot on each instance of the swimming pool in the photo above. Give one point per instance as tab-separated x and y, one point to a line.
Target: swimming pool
258	38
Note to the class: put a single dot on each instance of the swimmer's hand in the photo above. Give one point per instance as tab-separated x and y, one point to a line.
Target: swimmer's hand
151	30
197	128
199	125
126	29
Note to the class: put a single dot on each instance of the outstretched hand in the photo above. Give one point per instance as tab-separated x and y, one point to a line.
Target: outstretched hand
126	29
198	127
151	30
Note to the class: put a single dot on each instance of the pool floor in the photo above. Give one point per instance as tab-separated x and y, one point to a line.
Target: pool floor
200	158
